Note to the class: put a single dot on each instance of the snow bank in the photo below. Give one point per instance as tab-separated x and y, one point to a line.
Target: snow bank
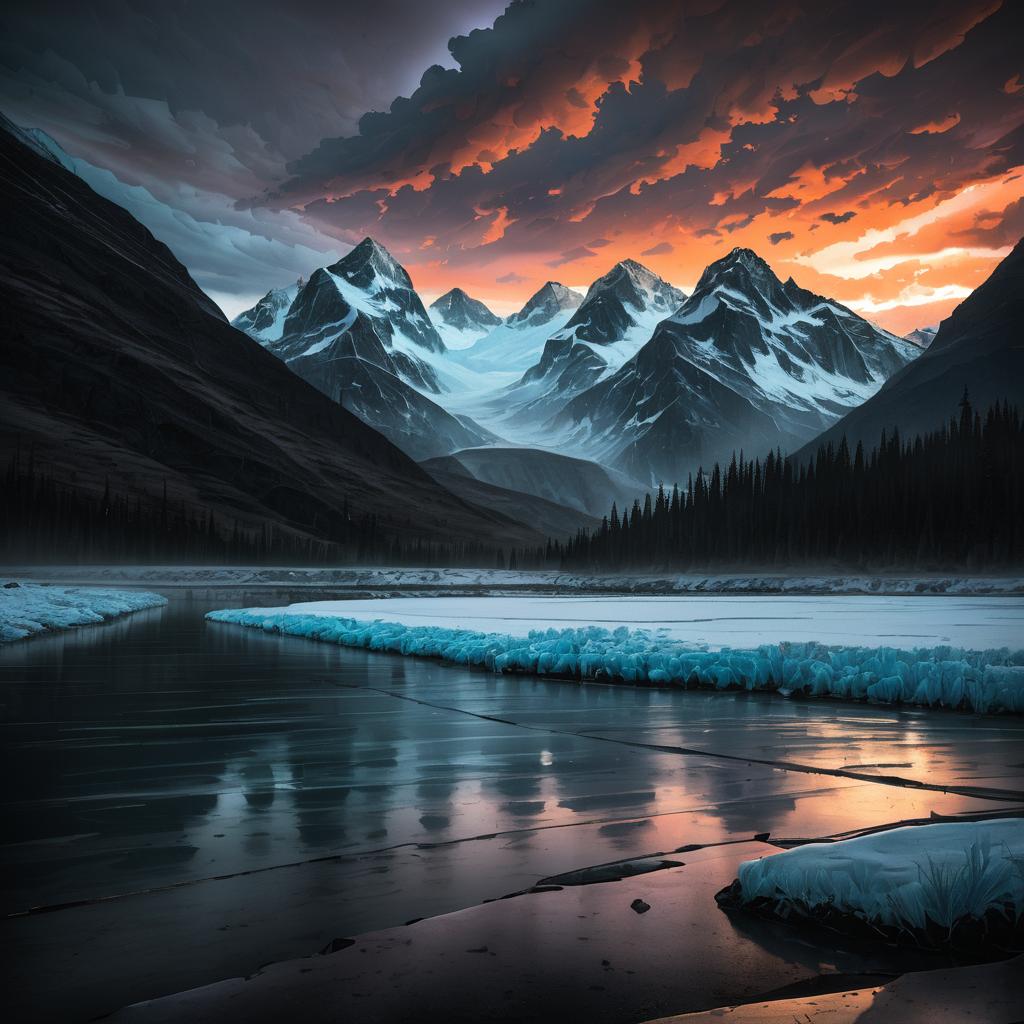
935	676
444	579
925	880
28	608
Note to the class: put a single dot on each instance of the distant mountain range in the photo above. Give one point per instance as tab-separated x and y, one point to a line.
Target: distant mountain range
517	343
635	375
922	337
746	362
118	371
615	319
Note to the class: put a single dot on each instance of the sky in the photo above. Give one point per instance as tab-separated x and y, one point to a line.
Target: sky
873	151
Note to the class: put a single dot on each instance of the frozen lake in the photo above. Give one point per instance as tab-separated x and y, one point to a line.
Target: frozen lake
975	623
247	797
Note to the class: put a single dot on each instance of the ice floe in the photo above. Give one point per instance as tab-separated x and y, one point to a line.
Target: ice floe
920	880
27	609
663	642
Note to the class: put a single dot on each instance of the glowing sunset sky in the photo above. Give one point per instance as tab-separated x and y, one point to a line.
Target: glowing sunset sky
874	151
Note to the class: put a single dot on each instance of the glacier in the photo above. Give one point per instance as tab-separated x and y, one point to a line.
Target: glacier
910	879
27	609
508	635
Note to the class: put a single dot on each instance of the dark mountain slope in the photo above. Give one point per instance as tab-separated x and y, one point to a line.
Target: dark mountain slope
550	518
577	483
980	346
115	368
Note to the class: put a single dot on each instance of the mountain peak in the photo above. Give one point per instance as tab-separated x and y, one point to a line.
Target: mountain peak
370	259
546	302
742	270
461	311
628	273
922	337
615	300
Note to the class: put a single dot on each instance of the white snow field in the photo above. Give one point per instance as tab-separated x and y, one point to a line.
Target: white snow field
29	608
937	652
903	878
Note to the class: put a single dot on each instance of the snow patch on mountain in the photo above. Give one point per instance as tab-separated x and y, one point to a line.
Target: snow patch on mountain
922	336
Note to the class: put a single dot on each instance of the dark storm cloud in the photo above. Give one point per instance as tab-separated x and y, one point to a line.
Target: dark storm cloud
202	105
576	132
735	116
572	256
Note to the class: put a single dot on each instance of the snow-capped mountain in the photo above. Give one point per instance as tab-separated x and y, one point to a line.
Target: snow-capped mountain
358	331
746	362
922	337
460	319
265	321
615	319
517	343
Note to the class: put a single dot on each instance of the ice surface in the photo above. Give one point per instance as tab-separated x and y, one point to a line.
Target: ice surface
29	608
901	878
954	652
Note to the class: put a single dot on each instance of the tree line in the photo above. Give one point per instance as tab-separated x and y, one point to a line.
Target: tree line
45	521
950	498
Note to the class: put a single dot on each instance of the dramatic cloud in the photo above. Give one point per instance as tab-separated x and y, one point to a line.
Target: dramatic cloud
876	149
203	106
838	218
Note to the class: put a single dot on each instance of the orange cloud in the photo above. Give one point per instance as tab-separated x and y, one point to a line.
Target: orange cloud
937	127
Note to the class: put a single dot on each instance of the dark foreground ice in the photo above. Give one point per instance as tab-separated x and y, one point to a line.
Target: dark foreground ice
187	801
